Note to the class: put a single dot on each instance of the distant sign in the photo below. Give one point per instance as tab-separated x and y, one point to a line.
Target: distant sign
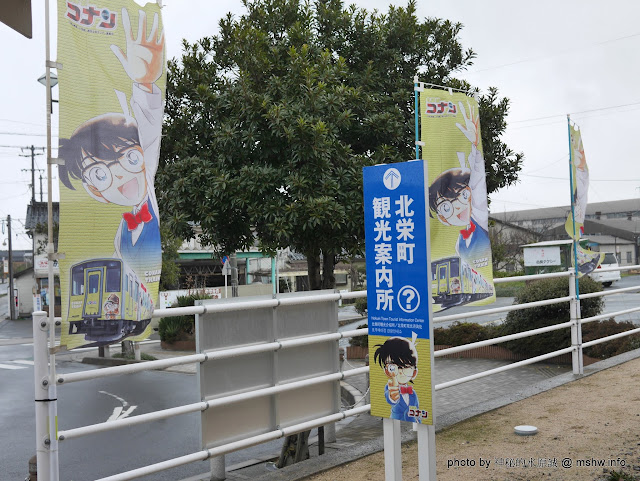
542	256
398	291
41	266
167	298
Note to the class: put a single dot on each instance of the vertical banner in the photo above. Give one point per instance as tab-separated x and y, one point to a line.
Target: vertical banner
461	267
398	291
579	180
111	106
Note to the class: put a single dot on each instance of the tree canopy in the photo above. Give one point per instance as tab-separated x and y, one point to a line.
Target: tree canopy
269	123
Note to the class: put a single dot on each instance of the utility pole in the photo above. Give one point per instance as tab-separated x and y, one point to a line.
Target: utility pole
12	301
33	171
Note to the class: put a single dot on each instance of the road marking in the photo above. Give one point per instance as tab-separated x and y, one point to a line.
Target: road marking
119	412
9	366
24	361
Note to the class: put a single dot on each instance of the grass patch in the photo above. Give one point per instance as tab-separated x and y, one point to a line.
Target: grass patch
143	355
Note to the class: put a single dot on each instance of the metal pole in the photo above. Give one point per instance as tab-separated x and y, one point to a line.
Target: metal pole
392	452
576	327
41	381
416	114
233	264
12	300
53	405
426	452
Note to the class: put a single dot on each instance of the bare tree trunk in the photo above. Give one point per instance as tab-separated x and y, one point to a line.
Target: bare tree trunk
328	265
313	270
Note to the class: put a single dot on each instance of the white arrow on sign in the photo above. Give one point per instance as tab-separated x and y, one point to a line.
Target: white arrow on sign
392	179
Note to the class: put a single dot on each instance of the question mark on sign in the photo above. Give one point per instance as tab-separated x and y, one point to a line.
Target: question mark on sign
410	296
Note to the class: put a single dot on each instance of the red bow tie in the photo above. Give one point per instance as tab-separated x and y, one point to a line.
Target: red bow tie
406	390
134	220
467	232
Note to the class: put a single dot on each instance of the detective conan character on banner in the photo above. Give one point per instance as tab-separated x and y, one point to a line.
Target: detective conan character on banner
588	260
399	359
461	251
113	156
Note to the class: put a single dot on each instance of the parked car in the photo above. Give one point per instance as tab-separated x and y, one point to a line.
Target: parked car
608	277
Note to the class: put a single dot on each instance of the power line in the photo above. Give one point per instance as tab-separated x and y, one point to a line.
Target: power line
574	113
23	133
590	180
561	53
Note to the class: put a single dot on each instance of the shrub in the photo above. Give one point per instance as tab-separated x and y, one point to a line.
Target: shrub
180	328
172	329
536	317
362	341
361	306
596	330
460	333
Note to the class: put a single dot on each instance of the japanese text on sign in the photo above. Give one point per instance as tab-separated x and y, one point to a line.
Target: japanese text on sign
393	231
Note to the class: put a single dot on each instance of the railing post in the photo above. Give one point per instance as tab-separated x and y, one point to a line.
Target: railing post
576	326
392	453
41	381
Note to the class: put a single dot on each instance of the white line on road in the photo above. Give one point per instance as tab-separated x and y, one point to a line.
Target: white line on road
9	366
119	412
23	361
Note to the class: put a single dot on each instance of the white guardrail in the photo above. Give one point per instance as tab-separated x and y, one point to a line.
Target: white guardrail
46	395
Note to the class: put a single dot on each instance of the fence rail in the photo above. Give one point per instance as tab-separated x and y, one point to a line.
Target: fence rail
46	395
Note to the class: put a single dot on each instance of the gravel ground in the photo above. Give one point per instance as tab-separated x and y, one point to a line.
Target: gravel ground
587	430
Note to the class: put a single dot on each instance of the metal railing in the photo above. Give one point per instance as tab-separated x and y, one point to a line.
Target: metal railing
46	389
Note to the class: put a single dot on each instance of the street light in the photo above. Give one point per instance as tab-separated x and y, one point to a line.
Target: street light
53	81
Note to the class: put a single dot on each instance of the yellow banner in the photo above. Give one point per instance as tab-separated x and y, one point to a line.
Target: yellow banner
580	185
461	266
588	260
112	86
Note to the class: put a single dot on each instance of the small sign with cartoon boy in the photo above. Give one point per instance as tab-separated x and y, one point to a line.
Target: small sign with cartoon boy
399	359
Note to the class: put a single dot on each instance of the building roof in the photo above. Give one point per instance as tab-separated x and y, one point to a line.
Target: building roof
37	214
616	228
593	208
609	240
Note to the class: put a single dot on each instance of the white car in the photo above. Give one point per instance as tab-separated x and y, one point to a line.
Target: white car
607	277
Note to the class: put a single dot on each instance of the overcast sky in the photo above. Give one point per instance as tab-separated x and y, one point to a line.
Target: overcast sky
550	58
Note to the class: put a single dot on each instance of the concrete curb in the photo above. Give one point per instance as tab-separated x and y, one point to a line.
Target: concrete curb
332	460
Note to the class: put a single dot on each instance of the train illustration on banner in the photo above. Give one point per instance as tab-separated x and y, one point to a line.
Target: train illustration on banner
107	301
455	282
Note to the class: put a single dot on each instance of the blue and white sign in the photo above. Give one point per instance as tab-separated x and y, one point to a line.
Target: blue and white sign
398	277
398	291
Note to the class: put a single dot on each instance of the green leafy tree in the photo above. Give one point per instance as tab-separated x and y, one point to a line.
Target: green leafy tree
269	123
169	279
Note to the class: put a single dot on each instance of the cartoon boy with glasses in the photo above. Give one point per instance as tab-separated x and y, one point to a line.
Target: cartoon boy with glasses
116	155
399	359
457	197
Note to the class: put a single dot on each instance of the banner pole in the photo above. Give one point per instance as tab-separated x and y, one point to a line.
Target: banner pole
53	405
573	211
416	111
